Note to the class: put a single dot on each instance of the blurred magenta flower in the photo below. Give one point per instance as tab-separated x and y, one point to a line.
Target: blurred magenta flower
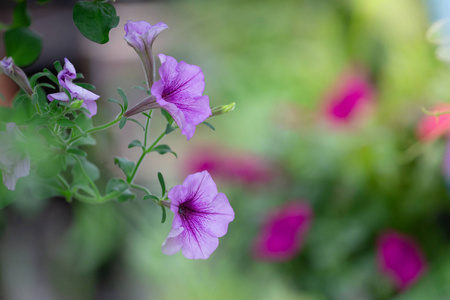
65	78
431	127
283	232
201	217
240	168
140	35
350	96
400	258
13	163
179	91
15	73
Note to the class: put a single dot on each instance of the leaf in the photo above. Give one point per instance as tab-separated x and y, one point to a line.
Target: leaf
117	102
209	125
162	183
169	128
163	149
88	140
137	122
23	45
51	164
50	75
127	195
21	17
87	86
119	185
122	122
124	97
77	152
94	20
163	217
166	115
125	165
135	143
19	100
64	122
79	179
38	120
58	66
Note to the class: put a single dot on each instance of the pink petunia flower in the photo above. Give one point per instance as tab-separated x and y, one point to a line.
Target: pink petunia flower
400	258
431	127
65	78
179	92
349	97
283	232
202	216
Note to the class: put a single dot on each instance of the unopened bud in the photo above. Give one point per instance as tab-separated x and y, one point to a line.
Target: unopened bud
223	109
76	104
15	73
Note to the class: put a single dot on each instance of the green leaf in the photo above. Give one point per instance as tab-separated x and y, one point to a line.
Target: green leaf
127	195
21	17
87	86
163	217
58	66
51	164
135	143
169	128
23	45
122	122
137	122
209	125
50	75
94	20
88	140
19	100
163	149
124	97
117	102
79	179
64	122
38	120
162	183
77	152
167	116
125	165
152	197
117	184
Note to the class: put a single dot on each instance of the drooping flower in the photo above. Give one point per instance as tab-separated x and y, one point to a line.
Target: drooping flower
201	217
400	258
140	35
65	78
350	95
13	163
15	73
179	91
431	127
283	232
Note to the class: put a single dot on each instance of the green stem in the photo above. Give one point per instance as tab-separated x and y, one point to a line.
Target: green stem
91	183
104	126
63	181
141	188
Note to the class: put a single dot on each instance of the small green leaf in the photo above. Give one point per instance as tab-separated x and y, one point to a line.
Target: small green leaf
38	120
58	66
44	85
135	143
117	102
77	152
124	97
167	116
64	122
50	75
209	125
87	86
127	195
125	165
163	149
21	17
152	197
95	19
116	184
163	217
23	45
122	122
162	183
137	122
19	100
169	128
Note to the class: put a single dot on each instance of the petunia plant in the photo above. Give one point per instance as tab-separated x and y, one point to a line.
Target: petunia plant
47	140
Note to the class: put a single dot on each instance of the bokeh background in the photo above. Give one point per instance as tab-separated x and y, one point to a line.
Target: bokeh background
338	179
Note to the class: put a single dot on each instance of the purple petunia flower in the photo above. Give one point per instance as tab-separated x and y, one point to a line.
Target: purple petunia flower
180	93
65	78
283	232
140	35
400	258
201	217
13	163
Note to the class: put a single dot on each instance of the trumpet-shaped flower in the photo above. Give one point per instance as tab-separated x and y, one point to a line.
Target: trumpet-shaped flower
201	217
13	163
140	35
65	78
283	232
400	258
180	93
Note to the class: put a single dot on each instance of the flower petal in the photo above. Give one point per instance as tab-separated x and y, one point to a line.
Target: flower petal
198	246
61	96
172	244
201	187
221	214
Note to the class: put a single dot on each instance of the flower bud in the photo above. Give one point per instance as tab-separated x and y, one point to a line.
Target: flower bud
223	109
15	73
76	104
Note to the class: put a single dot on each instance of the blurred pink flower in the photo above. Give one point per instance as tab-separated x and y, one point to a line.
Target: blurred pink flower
400	258
283	232
431	127
349	96
244	168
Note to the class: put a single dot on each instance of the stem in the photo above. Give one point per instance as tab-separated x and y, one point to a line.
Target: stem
91	183
147	124
104	126
140	188
63	181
